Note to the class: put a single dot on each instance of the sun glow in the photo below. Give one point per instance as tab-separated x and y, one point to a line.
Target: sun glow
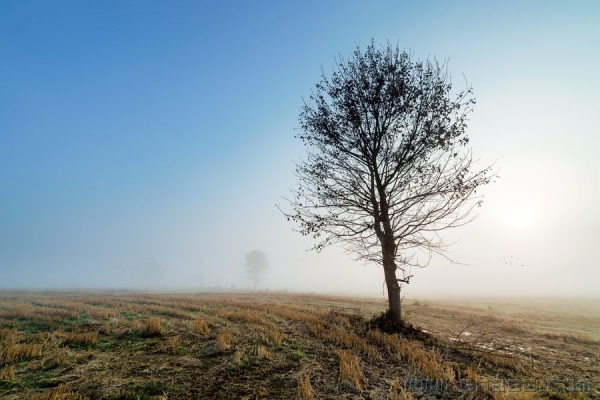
519	215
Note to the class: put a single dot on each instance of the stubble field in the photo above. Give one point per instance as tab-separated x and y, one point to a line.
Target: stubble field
269	345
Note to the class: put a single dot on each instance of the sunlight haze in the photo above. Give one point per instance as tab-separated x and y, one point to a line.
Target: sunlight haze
146	144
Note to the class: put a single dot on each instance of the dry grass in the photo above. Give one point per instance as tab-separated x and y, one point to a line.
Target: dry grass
427	362
172	345
224	340
397	391
199	326
350	369
242	316
352	341
262	352
285	346
55	356
237	358
8	335
89	338
136	326
305	389
570	336
106	329
7	373
273	336
60	393
153	327
18	352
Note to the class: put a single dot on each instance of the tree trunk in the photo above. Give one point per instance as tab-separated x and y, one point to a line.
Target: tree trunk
389	268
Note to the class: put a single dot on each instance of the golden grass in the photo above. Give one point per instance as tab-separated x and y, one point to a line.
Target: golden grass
100	312
350	369
105	329
570	336
528	395
8	334
17	352
153	327
172	345
352	341
7	373
427	362
397	391
41	337
136	326
54	356
305	389
315	333
273	336
500	360
89	338
239	359
243	316
390	342
199	326
60	393
262	352
224	340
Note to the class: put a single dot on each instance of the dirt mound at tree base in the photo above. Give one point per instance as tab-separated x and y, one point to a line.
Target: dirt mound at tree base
385	322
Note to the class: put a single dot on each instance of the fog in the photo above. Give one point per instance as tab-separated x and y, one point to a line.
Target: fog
146	146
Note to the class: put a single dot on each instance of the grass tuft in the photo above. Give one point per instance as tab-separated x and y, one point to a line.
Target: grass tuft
78	339
8	335
262	352
18	352
397	391
200	326
224	340
350	369
305	389
7	373
273	336
60	393
153	327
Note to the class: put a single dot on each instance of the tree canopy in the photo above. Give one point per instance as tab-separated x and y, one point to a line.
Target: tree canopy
257	265
388	164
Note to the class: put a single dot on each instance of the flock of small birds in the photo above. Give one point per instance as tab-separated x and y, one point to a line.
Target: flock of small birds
511	261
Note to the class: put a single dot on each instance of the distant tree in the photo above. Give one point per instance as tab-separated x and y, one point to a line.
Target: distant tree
388	165
256	263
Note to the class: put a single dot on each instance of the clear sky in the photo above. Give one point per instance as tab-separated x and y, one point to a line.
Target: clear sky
146	143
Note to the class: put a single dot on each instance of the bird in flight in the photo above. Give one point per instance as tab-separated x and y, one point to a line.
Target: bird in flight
511	261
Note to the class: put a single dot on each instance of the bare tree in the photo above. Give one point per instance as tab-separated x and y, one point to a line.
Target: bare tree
388	165
256	262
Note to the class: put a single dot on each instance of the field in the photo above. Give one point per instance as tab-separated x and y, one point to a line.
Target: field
271	345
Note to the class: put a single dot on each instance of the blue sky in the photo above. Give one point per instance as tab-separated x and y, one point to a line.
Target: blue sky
146	143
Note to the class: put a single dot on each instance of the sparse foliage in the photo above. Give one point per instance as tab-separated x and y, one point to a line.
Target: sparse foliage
256	262
388	163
